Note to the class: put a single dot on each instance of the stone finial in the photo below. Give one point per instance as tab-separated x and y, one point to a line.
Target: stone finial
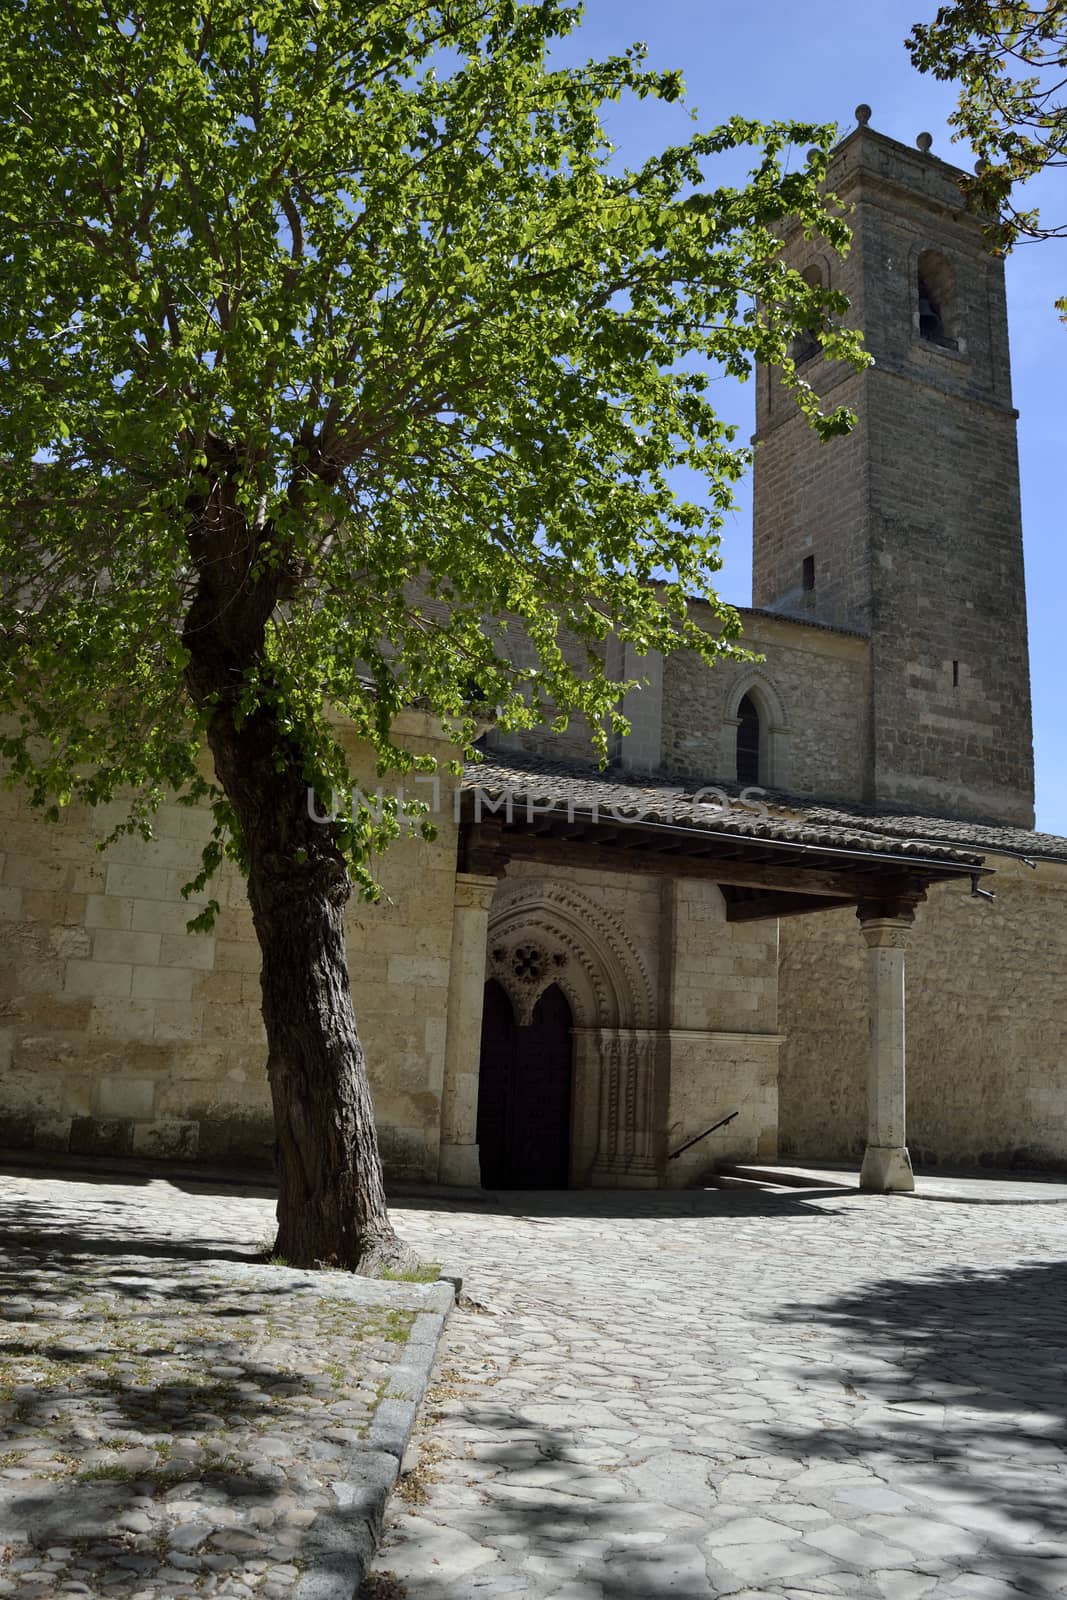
863	115
981	165
812	155
924	141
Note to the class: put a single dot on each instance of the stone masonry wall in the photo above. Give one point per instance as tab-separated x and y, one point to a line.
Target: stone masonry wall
722	1017
951	678
817	677
987	1050
913	520
122	1034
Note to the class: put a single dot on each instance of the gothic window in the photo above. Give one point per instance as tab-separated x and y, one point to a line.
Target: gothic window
935	294
755	734
748	741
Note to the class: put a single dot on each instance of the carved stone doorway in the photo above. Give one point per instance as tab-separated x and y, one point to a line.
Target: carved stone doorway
524	1092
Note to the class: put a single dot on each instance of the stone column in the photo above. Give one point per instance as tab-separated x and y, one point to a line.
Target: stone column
886	1163
458	1163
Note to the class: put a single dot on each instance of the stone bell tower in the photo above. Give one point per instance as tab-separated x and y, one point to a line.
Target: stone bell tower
909	529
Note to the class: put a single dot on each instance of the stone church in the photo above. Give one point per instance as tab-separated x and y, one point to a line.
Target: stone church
804	907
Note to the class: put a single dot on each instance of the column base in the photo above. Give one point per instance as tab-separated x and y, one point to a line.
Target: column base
887	1169
459	1165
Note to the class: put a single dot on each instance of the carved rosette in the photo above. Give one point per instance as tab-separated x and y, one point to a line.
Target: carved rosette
526	968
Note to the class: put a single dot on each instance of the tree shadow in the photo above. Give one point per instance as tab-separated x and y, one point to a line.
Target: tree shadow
586	1530
629	1203
118	1172
159	1403
932	1419
110	1228
959	1379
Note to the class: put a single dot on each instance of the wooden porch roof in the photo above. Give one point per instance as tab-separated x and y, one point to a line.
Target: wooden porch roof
768	861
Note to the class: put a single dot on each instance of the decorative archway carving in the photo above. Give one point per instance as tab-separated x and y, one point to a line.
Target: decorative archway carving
544	931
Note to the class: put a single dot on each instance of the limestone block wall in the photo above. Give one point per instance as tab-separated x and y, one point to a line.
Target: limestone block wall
122	1034
575	741
952	728
721	1010
910	525
713	1074
804	490
813	693
987	1048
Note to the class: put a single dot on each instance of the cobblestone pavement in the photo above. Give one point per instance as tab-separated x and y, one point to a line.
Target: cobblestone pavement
179	1420
788	1397
692	1396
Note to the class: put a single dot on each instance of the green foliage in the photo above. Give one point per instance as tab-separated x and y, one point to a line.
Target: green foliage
1010	61
360	282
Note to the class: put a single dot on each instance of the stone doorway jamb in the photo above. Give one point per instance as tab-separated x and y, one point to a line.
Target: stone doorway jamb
459	1162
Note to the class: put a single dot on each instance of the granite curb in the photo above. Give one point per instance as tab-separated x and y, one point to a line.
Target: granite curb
337	1552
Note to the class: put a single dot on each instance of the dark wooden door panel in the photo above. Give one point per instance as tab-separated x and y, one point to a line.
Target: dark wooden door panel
524	1093
498	1048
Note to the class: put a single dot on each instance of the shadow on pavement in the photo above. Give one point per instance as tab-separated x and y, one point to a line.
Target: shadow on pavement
961	1378
111	1230
625	1203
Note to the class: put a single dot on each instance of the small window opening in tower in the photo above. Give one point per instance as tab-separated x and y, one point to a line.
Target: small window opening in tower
806	344
955	674
748	741
807	574
935	289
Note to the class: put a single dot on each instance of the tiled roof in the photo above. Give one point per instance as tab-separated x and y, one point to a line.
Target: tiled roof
999	837
798	619
656	800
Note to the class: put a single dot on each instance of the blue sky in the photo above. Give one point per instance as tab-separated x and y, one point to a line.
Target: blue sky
776	60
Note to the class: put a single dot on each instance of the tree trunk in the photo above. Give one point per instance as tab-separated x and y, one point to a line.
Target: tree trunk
331	1198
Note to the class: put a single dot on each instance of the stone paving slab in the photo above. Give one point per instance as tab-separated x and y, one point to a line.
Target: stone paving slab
762	1396
969	1188
178	1419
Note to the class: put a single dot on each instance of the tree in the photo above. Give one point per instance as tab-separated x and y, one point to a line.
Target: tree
1010	61
322	323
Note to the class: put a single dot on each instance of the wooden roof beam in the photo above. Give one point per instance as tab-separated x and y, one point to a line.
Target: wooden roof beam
845	886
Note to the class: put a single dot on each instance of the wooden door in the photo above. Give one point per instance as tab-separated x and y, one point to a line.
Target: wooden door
524	1093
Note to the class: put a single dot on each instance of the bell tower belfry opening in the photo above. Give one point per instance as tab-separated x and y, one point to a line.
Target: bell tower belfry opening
909	529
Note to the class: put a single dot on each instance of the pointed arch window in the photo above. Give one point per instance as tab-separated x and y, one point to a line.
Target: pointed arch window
748	741
754	752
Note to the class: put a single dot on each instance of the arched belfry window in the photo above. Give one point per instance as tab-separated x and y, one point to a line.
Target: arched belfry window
748	741
806	344
935	291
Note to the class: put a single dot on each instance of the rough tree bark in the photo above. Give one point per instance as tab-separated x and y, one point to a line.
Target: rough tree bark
331	1197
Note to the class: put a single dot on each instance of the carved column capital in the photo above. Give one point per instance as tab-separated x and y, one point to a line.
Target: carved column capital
886	933
473	892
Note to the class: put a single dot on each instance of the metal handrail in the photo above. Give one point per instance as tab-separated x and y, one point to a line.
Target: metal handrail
682	1148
